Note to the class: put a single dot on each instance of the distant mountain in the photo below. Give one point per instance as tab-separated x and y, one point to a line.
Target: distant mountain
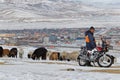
37	9
22	12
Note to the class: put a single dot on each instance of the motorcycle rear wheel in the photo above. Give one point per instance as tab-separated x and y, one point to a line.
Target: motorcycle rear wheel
82	62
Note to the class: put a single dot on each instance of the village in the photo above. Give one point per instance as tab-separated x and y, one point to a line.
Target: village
55	37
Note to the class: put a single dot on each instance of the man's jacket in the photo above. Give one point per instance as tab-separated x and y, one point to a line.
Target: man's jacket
90	40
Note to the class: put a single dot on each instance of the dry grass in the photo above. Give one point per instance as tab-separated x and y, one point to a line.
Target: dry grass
112	71
115	67
1	63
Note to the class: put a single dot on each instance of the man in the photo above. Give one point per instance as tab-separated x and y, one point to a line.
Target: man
90	41
89	38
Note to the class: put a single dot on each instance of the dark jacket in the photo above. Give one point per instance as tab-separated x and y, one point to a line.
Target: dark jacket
90	40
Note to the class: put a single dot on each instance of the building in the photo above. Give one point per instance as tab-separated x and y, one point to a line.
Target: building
80	41
46	40
73	36
53	38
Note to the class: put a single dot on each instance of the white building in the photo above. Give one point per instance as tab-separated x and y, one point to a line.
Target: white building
73	36
46	40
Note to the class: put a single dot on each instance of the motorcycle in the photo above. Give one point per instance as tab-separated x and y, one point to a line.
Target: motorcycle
98	55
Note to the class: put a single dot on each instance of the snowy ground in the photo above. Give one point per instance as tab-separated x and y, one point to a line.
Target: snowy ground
24	69
27	69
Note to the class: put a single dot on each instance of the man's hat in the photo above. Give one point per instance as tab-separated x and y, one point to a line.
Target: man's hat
92	28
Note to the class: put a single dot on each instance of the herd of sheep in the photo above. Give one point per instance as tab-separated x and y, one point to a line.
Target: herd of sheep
39	53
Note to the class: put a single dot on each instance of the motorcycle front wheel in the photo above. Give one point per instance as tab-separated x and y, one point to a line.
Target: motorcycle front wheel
105	61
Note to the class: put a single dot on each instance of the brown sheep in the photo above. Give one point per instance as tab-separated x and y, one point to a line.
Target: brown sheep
54	56
6	52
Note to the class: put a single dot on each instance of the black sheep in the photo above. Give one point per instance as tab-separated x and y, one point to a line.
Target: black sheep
1	52
40	52
13	52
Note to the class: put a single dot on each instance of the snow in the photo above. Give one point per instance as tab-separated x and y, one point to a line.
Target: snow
28	69
32	16
42	70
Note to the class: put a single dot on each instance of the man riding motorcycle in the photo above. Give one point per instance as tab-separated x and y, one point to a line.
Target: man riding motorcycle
90	41
94	54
